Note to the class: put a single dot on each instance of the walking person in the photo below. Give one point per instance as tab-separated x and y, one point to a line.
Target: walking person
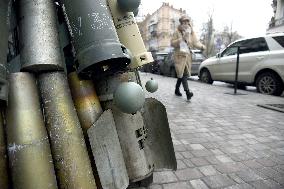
184	40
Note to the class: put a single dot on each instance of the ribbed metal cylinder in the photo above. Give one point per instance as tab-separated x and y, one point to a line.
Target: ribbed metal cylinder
29	153
39	36
85	100
4	180
67	142
97	46
129	34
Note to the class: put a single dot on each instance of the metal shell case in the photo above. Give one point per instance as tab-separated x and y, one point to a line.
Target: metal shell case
39	36
85	100
68	146
97	46
29	153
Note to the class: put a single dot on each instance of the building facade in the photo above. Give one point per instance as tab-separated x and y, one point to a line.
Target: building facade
277	21
157	29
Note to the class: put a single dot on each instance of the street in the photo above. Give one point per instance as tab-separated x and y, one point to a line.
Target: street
221	140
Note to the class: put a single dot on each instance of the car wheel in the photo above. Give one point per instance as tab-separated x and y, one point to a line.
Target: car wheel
205	76
269	83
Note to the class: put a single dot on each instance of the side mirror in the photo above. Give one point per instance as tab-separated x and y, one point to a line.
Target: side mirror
218	55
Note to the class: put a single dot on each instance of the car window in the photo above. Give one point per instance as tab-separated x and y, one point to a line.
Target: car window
246	46
280	40
232	50
253	45
168	58
198	56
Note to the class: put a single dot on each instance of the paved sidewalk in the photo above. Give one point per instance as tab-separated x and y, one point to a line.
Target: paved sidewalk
221	140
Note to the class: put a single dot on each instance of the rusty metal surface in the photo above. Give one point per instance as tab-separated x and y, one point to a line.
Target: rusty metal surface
159	143
39	36
85	100
132	136
68	146
29	153
107	152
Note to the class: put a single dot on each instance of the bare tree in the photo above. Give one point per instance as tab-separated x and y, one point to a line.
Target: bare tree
229	35
207	36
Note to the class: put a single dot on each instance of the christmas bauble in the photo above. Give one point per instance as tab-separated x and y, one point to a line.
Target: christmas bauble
129	97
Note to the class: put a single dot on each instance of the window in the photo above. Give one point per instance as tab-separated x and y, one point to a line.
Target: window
253	45
198	57
280	40
247	46
232	50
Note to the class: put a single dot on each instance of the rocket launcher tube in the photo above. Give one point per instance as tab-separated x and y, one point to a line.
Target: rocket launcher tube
129	35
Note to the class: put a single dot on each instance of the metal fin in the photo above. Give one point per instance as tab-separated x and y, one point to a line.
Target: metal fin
107	152
159	142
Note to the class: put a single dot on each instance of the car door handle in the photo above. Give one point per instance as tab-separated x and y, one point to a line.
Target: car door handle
260	57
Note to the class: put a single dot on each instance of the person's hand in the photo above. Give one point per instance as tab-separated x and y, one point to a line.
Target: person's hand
185	36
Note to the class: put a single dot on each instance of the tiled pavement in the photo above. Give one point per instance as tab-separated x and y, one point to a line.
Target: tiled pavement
221	140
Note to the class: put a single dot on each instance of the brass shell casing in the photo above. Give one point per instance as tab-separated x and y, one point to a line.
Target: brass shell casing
68	146
29	153
85	100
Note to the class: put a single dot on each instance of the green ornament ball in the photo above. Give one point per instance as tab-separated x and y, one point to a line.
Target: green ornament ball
129	97
151	86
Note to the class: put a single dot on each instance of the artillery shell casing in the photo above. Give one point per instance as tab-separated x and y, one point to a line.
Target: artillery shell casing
29	153
68	146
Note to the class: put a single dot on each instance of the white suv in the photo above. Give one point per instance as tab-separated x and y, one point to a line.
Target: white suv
261	64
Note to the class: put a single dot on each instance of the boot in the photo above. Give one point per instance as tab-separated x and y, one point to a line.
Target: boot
177	92
189	94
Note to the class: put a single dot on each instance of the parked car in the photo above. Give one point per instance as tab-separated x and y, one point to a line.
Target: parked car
261	64
167	65
154	67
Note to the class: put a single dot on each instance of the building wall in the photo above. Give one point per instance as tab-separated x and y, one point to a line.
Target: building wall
157	28
277	21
